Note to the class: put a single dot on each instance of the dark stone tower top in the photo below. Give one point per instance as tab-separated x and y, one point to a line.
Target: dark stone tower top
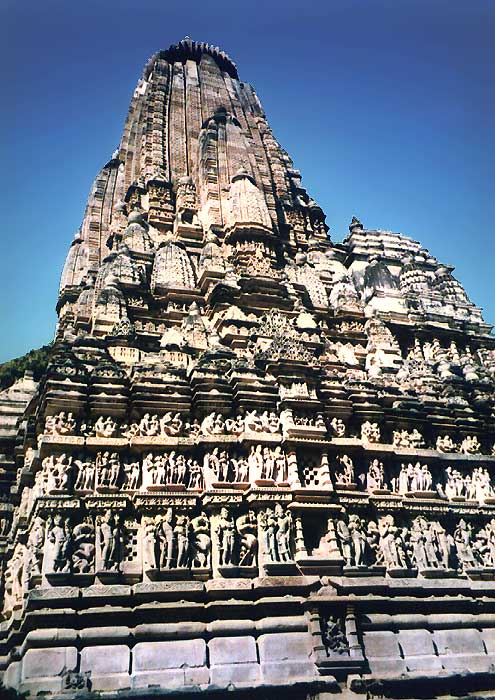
188	49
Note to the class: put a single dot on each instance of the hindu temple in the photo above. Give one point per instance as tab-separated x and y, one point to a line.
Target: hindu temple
260	461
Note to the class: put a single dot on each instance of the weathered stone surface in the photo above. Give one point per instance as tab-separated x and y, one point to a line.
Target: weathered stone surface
284	646
156	656
232	650
419	651
105	659
40	663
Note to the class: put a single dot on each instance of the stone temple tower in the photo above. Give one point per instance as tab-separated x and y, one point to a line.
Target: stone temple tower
259	460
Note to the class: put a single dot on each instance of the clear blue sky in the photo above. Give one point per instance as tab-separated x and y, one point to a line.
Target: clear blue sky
385	106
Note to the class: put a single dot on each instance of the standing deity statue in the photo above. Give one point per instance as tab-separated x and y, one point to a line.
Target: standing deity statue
150	542
103	469
166	538
345	540
344	472
392	544
279	465
225	532
86	472
181	532
375	478
62	472
34	548
211	467
132	472
283	533
255	461
464	545
110	541
59	537
15	579
195	472
358	540
268	464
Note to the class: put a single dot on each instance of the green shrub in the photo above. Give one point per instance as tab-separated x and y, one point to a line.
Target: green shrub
35	360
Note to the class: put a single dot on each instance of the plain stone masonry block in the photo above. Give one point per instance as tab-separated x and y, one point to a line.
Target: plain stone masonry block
459	641
285	656
172	664
46	663
233	660
172	678
419	651
232	650
462	650
106	659
488	635
12	676
235	674
284	646
383	653
157	656
109	667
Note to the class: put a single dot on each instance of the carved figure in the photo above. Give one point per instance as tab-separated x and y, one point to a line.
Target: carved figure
105	427
59	536
247	527
408	440
34	549
110	540
333	636
445	444
166	538
392	544
370	432
464	546
375	478
83	548
344	472
338	427
181	532
470	445
200	541
195	474
225	532
283	533
132	473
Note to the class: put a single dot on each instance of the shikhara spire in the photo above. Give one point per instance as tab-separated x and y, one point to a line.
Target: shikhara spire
249	439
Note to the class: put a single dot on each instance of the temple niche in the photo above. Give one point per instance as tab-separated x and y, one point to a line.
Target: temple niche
260	461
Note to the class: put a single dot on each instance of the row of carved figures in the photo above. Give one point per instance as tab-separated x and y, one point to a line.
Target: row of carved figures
112	471
65	544
267	422
108	471
423	545
109	543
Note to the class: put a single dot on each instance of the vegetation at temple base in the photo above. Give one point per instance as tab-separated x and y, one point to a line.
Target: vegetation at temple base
35	361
